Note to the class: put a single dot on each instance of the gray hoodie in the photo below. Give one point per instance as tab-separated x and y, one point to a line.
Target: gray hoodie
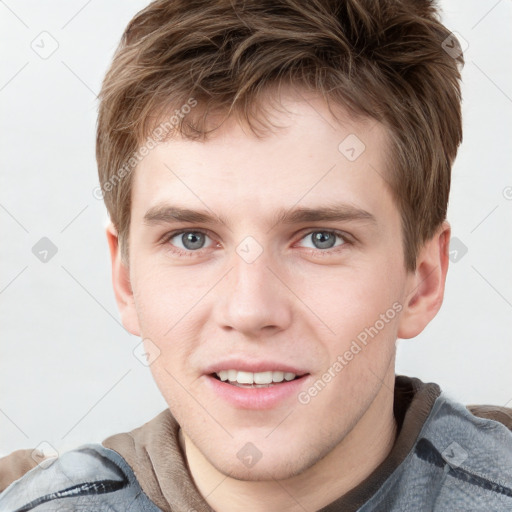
445	459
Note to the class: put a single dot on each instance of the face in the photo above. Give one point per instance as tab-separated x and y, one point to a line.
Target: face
294	270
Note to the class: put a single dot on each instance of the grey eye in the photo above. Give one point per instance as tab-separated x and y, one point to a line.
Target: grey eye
189	240
323	239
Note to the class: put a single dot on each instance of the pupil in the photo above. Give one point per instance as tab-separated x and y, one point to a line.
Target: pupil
322	241
192	240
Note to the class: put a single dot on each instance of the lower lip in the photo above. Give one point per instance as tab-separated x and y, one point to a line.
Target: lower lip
256	398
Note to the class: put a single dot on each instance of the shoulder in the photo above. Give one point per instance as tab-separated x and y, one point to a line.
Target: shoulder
489	426
473	451
16	464
493	412
459	461
91	473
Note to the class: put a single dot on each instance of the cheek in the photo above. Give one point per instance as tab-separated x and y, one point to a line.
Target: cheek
345	301
171	314
165	298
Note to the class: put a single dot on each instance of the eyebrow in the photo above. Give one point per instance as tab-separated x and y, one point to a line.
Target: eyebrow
165	214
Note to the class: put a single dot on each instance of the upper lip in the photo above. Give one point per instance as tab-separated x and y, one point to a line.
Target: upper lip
253	366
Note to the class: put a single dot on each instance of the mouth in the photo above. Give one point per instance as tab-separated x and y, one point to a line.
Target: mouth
262	390
248	380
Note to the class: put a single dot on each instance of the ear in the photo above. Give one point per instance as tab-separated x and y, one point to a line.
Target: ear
426	284
121	282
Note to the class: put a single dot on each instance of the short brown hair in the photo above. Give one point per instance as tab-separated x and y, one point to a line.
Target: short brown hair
381	59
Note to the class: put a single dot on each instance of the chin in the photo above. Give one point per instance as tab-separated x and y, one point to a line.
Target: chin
264	470
265	460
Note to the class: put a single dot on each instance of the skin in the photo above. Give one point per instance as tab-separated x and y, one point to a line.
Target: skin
296	303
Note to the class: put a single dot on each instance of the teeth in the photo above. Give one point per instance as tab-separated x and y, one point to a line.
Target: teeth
278	376
255	378
245	378
223	375
261	378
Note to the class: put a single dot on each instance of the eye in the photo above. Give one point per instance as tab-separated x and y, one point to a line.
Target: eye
322	239
187	241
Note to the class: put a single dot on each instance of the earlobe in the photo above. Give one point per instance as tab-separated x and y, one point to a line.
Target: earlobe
121	282
426	285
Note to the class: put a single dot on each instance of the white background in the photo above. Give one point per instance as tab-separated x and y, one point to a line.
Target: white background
67	370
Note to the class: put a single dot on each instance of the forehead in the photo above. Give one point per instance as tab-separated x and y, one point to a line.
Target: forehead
307	158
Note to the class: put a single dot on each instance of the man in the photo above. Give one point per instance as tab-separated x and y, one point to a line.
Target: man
277	177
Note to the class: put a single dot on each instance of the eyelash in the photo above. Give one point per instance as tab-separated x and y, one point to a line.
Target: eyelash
315	252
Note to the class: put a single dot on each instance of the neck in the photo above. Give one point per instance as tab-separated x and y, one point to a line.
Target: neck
351	462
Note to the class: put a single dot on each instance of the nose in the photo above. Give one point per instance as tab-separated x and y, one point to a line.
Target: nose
254	296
